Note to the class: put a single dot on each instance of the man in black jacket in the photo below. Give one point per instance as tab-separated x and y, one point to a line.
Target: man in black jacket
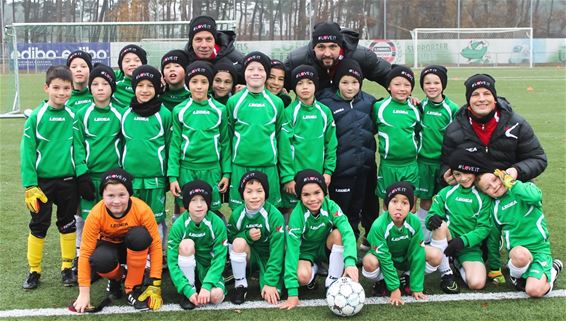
208	44
329	45
489	120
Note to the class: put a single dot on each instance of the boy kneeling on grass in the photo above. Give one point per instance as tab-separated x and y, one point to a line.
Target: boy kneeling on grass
396	240
518	216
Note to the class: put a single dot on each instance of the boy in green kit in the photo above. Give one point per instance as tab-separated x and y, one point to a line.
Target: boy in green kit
173	68
130	58
80	64
48	175
197	249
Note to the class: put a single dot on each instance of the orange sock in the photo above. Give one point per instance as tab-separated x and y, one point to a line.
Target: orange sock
136	265
115	274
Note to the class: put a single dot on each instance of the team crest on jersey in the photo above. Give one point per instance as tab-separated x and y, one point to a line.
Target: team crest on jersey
338	213
279	229
225	243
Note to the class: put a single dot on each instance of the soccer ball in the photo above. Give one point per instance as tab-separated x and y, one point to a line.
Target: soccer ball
345	297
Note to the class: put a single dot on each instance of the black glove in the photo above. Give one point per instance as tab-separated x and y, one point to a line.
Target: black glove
86	187
434	222
454	246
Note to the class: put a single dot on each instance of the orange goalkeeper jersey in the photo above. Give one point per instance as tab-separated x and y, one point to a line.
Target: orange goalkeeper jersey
100	225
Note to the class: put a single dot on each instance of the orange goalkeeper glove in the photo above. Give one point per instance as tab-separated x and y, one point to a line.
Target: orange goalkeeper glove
33	195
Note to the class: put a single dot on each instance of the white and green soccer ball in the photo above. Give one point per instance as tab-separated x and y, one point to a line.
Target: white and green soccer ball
345	297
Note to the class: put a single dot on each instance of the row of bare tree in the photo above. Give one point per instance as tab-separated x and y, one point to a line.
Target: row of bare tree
292	19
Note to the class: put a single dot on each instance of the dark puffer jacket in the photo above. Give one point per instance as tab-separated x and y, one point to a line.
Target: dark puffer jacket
512	144
228	53
355	132
373	67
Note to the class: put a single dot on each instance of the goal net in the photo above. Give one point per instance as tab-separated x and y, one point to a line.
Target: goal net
472	46
30	48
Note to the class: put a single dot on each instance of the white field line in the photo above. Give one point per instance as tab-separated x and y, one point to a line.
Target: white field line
263	305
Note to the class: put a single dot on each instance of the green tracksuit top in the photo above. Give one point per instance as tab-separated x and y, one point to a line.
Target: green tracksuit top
271	245
171	98
146	141
397	129
46	149
312	135
399	245
518	216
307	232
97	139
200	138
124	93
255	119
211	247
465	210
435	118
79	99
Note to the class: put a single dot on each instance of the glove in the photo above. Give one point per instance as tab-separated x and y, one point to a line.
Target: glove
434	222
153	292
34	194
507	179
86	187
454	246
496	276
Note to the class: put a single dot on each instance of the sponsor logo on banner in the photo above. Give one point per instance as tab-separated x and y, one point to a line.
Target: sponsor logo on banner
40	56
384	49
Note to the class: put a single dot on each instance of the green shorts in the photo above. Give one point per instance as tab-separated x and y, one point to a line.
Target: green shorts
427	184
288	200
201	271
541	265
259	259
272	177
152	192
314	255
85	205
392	172
470	254
211	176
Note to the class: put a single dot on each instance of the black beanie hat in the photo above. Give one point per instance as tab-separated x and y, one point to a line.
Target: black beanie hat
278	64
259	57
401	71
327	32
200	68
348	67
471	160
307	176
137	50
227	67
150	73
438	70
303	72
80	54
257	175
105	72
479	81
175	56
201	23
120	175
403	188
196	187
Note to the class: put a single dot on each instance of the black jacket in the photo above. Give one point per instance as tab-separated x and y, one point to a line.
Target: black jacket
228	53
355	132
373	67
512	144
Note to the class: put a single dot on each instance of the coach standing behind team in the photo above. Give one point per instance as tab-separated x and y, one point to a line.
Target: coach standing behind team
329	45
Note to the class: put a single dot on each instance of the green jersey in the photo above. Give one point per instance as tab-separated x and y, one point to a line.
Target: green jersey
255	120
79	99
146	140
307	232
200	138
312	135
271	244
171	98
466	211
46	149
397	247
211	247
397	129
96	139
518	216
122	97
435	118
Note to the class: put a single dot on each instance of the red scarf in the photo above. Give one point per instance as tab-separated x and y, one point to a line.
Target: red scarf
484	130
